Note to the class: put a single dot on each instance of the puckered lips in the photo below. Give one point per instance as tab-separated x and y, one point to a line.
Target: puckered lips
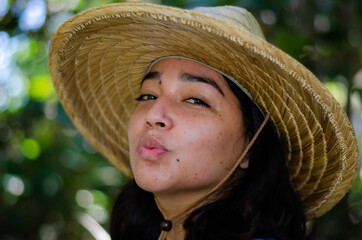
149	148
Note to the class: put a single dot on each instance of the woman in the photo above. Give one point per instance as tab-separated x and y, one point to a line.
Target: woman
180	94
229	137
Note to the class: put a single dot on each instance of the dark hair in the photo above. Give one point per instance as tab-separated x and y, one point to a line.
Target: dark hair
260	204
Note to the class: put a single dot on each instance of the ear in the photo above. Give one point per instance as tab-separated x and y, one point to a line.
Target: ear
244	164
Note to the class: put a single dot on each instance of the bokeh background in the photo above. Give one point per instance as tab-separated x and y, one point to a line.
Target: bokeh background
54	185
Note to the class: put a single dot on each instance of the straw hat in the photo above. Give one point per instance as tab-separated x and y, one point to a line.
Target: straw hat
98	57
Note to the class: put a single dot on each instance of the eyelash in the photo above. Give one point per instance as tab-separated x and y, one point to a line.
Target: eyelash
196	101
145	97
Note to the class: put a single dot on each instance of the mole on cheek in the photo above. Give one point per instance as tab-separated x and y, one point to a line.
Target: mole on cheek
177	160
160	82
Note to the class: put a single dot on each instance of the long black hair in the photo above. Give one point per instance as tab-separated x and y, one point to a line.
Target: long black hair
260	204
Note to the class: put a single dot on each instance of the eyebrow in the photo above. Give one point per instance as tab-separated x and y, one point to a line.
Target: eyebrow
187	78
151	75
196	78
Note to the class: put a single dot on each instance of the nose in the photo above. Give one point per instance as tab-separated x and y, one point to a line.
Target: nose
159	115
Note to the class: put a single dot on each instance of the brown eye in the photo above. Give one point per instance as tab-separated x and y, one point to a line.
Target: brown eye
197	101
146	97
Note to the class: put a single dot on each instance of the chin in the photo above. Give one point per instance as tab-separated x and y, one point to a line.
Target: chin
151	184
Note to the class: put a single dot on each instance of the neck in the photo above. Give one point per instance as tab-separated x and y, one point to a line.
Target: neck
176	208
172	205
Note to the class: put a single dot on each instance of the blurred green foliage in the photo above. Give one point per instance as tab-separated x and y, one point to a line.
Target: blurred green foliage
52	182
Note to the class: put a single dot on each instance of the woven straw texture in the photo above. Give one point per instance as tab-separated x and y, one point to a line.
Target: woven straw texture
98	58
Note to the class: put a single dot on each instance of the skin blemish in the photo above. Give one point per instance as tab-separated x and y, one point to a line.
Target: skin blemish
219	135
159	82
177	160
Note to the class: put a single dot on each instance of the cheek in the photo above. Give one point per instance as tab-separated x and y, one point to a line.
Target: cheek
209	150
134	130
135	122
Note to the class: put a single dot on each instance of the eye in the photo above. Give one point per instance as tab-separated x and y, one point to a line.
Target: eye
197	101
146	97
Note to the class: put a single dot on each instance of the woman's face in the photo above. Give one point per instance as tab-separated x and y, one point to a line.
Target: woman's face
187	131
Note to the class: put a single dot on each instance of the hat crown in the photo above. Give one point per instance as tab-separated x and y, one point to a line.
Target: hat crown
235	15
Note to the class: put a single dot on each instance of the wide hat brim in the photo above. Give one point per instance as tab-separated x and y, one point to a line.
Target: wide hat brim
98	57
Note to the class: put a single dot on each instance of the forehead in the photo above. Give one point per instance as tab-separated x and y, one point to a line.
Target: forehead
184	65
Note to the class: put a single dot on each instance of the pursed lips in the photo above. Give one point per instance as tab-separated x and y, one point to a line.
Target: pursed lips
150	149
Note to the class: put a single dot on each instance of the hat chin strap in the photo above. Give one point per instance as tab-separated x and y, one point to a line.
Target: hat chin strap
178	219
